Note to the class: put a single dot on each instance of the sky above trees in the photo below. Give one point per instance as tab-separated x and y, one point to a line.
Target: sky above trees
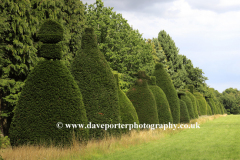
207	32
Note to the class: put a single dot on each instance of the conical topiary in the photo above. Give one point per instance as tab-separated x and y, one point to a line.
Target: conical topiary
184	115
164	112
212	105
127	111
163	81
189	104
201	102
97	84
143	100
50	97
193	99
209	110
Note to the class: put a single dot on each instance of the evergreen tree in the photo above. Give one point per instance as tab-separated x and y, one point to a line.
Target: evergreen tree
50	95
189	104
163	81
17	55
201	102
209	110
127	111
184	115
143	100
97	84
194	104
164	112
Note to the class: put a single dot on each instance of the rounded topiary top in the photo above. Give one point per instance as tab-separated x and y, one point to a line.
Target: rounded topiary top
159	66
89	39
50	32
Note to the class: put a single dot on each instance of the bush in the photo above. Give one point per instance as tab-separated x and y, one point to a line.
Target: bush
189	104
50	95
164	112
143	100
184	116
97	84
4	142
209	110
212	105
127	111
163	81
201	103
194	103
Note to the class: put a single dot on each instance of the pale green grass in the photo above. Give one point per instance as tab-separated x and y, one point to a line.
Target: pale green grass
218	139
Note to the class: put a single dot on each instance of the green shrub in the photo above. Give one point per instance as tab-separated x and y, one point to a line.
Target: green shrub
194	104
164	112
50	95
184	116
163	81
4	142
189	104
209	110
212	105
127	111
97	84
201	102
143	100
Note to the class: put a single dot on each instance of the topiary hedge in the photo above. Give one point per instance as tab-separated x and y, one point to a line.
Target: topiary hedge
201	102
163	81
127	111
194	104
184	116
209	110
189	104
143	100
50	95
97	84
164	112
212	105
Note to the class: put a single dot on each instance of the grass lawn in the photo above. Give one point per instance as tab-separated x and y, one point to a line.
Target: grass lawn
218	139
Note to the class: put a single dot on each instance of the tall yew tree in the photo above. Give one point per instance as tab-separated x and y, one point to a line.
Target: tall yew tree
17	53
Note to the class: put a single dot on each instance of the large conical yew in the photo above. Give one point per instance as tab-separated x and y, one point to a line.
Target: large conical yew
50	98
97	84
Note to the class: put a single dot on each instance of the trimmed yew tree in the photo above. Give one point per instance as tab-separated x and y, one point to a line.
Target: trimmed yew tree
209	110
184	115
194	104
50	95
143	100
212	105
163	81
164	112
189	104
97	84
201	102
127	111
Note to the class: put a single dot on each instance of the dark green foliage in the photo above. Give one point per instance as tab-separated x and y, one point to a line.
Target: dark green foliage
97	84
184	116
190	87
212	105
194	104
201	102
143	100
163	81
127	111
50	95
189	104
164	112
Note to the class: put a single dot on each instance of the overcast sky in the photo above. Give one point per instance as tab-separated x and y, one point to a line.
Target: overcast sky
206	31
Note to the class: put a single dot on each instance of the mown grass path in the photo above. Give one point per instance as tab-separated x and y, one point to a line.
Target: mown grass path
218	139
